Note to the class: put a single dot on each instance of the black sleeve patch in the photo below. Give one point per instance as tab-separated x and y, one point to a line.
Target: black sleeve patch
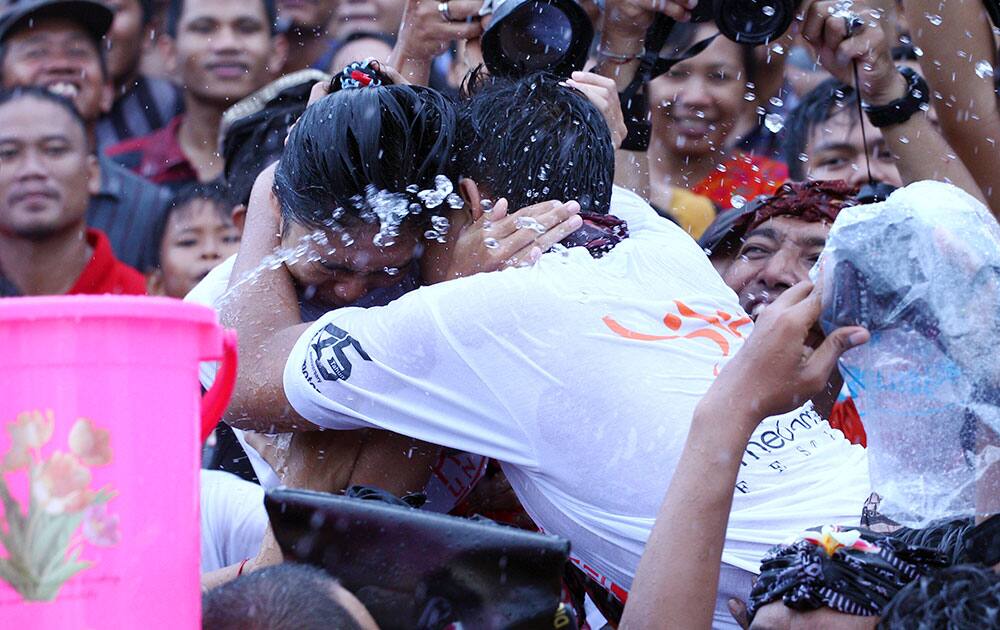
329	353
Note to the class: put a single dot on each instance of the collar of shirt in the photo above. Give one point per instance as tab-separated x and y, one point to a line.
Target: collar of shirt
160	157
105	273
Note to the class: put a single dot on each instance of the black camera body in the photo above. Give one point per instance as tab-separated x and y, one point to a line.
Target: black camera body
537	35
993	8
751	22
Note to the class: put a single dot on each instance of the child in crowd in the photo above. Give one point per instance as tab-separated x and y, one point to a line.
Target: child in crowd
197	234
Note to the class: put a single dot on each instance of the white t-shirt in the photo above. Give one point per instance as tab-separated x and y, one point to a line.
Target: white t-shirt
580	375
452	477
233	519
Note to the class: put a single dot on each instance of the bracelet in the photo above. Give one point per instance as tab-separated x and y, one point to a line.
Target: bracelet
239	571
902	109
615	57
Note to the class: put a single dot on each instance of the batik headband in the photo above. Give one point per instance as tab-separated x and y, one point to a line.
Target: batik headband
848	571
359	74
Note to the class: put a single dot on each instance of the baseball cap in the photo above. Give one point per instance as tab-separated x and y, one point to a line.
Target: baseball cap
93	16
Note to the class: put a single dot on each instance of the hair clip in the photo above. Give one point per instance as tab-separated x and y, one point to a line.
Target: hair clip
360	74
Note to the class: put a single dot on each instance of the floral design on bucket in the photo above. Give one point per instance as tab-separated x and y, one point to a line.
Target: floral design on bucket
45	542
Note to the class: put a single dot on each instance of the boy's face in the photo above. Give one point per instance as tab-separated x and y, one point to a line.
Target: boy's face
836	150
223	50
125	39
59	54
198	237
46	172
334	274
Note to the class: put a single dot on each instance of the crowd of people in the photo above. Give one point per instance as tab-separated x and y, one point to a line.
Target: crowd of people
581	302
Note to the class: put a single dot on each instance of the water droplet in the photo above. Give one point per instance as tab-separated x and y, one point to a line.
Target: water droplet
416	208
904	140
984	69
413	189
491	243
346	239
486	205
383	239
543	172
775	101
431	235
454	201
774	122
933	18
721	168
529	223
560	249
778	49
391	271
737	201
749	96
803	157
767	10
441	224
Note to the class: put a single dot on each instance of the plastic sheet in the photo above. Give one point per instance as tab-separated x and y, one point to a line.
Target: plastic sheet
921	271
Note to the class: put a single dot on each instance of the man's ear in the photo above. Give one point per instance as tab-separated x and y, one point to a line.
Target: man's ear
279	55
107	96
239	216
93	175
470	193
154	282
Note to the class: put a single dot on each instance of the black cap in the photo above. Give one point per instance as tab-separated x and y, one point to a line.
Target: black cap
93	16
726	230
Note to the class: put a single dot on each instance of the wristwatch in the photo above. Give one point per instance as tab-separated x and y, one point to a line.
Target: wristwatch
900	110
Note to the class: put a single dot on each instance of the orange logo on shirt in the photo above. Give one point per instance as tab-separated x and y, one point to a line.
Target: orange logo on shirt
715	327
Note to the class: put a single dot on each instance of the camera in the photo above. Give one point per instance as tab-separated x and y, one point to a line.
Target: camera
751	22
993	8
527	36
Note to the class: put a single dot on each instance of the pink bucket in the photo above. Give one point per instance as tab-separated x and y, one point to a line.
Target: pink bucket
99	458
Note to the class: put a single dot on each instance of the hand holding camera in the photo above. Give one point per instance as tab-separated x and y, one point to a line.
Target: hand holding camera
428	27
844	33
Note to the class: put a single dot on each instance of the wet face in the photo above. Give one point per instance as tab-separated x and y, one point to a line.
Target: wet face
773	257
307	15
47	173
836	150
198	236
223	51
335	274
777	616
58	54
124	41
699	101
373	16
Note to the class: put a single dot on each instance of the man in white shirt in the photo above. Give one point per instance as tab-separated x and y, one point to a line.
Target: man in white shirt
580	374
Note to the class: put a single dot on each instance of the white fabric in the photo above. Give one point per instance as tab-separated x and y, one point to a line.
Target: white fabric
523	366
452	476
233	519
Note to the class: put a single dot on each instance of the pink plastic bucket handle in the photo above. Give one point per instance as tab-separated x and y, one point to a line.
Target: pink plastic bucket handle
216	399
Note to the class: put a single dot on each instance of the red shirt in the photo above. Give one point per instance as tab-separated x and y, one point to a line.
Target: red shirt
105	273
156	156
745	175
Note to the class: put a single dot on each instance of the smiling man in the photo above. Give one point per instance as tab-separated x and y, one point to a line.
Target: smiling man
221	52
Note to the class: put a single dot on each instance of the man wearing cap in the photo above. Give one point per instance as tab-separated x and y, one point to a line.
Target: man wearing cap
56	45
221	52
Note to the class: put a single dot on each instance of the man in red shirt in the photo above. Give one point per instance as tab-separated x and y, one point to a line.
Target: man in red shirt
47	174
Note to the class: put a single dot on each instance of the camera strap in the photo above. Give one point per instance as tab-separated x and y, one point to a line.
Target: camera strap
861	121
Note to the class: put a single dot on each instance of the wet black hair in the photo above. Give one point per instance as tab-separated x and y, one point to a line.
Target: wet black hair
214	192
389	137
531	139
29	91
947	536
822	103
176	9
286	596
962	596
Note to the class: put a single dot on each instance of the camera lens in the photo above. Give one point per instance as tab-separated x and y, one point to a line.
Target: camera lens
537	35
753	22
